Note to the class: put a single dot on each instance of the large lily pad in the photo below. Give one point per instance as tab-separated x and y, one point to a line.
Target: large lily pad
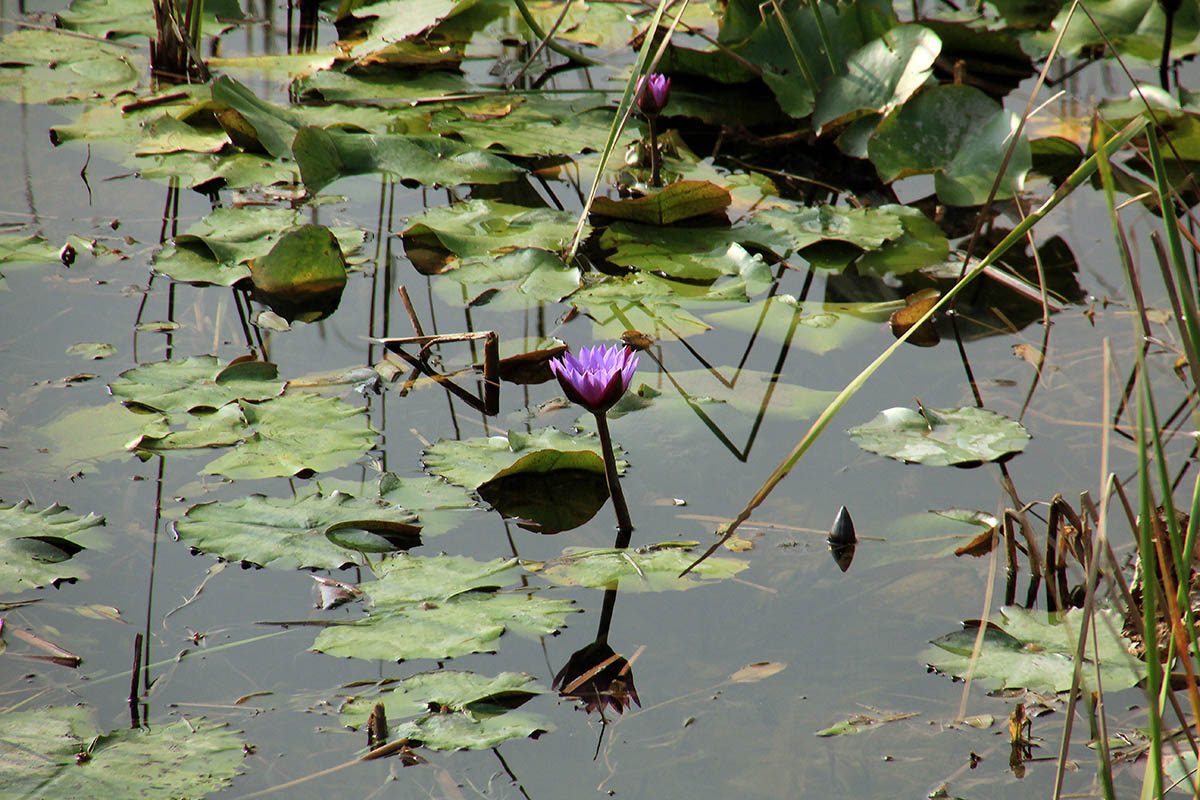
691	254
959	134
40	66
294	533
474	462
653	568
21	248
879	76
324	157
941	436
195	383
678	201
40	756
294	434
1035	650
304	263
803	226
529	127
35	544
115	19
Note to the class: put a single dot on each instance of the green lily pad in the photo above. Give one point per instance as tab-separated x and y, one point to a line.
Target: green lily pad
396	20
801	227
1035	650
468	623
639	302
679	201
116	19
295	532
922	244
304	262
294	434
489	228
810	325
471	731
210	171
441	607
450	689
20	248
166	134
42	66
224	427
219	248
529	126
880	76
324	156
62	747
1136	29
941	436
653	568
513	279
34	545
691	254
92	350
959	134
474	462
198	382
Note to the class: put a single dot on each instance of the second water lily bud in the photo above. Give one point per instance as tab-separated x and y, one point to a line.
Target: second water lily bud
653	92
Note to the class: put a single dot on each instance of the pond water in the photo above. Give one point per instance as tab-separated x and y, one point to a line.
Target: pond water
840	645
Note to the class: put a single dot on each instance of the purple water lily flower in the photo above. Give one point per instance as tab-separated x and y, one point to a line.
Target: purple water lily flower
653	92
598	378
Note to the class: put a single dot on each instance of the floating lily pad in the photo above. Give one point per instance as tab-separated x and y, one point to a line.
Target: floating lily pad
451	689
678	201
489	227
19	248
530	127
941	436
959	134
474	462
304	263
801	227
441	607
219	248
514	278
35	544
1035	650
115	19
294	434
653	568
43	748
1136	28
41	66
547	502
294	533
879	76
324	157
92	350
396	20
472	732
198	382
813	326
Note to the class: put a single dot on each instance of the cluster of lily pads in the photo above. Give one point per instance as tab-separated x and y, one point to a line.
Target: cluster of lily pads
848	83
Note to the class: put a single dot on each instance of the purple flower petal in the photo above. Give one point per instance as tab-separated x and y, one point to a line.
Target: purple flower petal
598	377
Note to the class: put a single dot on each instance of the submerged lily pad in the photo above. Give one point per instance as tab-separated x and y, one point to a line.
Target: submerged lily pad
1035	650
474	462
198	382
20	248
653	568
441	607
294	533
515	278
34	545
42	748
941	436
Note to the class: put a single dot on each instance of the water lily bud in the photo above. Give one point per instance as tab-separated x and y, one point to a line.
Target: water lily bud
653	92
598	378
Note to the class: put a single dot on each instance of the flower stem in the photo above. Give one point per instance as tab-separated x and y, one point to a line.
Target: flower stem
655	158
624	525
